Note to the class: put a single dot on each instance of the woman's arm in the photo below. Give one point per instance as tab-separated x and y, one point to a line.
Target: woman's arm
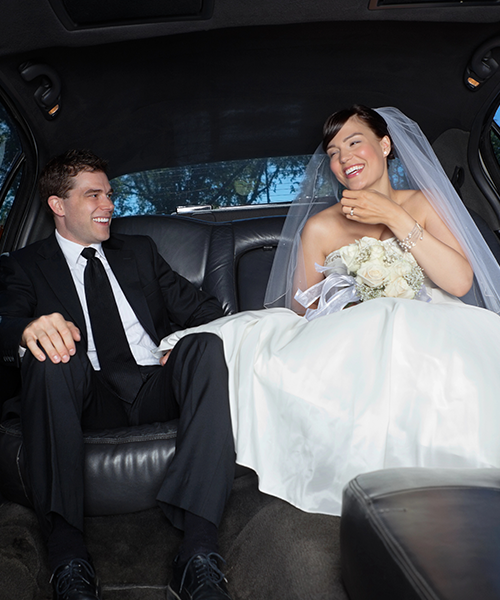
316	244
441	256
438	252
316	241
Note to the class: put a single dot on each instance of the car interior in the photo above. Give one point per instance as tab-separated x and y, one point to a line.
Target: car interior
207	112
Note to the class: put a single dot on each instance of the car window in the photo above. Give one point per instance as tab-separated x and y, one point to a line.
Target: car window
495	135
219	185
10	174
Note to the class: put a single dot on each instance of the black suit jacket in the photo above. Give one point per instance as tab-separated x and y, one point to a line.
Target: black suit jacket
36	281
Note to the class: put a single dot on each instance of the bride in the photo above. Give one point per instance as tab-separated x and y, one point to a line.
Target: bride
398	371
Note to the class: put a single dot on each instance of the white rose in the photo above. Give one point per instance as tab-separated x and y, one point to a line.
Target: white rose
369	241
399	288
377	252
373	274
399	269
348	255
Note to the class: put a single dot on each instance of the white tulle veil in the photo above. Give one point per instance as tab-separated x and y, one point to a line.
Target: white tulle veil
415	167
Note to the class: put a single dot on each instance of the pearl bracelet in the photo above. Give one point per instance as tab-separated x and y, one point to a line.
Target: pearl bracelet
416	234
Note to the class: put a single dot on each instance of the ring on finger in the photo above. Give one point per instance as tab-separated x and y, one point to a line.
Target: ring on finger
352	211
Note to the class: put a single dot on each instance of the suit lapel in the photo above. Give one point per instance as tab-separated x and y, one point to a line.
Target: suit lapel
123	262
55	269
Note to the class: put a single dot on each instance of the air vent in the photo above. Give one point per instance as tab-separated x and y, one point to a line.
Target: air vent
84	14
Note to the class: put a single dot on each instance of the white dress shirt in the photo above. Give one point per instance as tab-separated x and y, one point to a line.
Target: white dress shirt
141	345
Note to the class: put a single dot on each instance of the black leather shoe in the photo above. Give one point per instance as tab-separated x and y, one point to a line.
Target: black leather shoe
76	580
200	579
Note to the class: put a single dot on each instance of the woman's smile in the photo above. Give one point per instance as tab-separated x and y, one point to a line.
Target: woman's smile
353	171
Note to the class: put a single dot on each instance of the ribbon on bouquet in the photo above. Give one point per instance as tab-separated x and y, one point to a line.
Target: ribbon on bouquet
333	293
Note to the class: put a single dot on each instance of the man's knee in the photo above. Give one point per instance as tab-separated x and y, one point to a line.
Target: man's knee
205	346
39	378
30	366
49	369
202	341
199	364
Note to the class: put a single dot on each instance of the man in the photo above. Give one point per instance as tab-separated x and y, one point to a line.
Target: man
86	309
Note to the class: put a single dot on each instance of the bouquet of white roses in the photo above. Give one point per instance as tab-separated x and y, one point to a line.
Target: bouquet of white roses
382	269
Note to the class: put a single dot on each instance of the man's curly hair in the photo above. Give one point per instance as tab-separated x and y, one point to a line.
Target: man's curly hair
56	178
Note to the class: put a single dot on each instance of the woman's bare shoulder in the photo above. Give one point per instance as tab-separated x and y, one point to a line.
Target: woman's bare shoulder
323	230
414	202
324	221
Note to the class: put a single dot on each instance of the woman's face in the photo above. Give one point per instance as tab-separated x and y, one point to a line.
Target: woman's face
358	156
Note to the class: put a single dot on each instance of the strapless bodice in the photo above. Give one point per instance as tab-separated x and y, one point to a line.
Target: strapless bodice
335	265
334	259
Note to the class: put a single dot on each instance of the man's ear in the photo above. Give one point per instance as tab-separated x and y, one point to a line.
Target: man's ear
56	204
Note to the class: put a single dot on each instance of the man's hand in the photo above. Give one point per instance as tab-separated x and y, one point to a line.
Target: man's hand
164	358
54	334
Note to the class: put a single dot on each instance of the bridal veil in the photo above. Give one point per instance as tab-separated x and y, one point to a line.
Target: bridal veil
415	167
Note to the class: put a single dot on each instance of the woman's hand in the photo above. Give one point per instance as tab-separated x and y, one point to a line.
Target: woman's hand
371	207
438	252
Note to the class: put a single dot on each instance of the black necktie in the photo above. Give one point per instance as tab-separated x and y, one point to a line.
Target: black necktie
118	366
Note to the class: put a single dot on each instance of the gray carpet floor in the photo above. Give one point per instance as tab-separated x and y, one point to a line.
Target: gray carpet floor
273	551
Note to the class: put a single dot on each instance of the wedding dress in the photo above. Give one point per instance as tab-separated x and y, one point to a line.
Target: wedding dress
386	383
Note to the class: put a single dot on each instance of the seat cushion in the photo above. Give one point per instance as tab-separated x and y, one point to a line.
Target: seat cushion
422	533
124	467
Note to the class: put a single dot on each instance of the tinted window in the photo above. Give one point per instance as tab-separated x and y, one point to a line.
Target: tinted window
495	135
10	151
215	185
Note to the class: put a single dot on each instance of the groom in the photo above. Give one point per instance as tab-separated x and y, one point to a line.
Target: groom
84	309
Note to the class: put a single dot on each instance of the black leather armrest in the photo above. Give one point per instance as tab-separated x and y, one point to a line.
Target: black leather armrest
413	533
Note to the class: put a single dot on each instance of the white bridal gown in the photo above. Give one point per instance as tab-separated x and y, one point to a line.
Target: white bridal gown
386	383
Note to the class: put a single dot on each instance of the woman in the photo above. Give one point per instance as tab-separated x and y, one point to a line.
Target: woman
387	382
358	145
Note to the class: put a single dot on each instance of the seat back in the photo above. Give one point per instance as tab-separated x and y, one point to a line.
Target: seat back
230	260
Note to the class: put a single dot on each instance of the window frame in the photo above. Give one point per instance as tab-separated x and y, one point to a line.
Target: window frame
484	167
16	225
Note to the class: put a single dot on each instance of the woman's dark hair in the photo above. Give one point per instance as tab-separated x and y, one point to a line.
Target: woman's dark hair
370	117
56	178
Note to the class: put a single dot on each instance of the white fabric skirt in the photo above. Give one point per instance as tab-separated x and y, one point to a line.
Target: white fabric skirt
386	383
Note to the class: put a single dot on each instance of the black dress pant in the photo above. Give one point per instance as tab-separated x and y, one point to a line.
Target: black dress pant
60	401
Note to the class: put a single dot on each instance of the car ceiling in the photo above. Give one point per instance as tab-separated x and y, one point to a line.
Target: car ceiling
256	79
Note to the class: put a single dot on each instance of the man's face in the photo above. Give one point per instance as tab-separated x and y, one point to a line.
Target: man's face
85	215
